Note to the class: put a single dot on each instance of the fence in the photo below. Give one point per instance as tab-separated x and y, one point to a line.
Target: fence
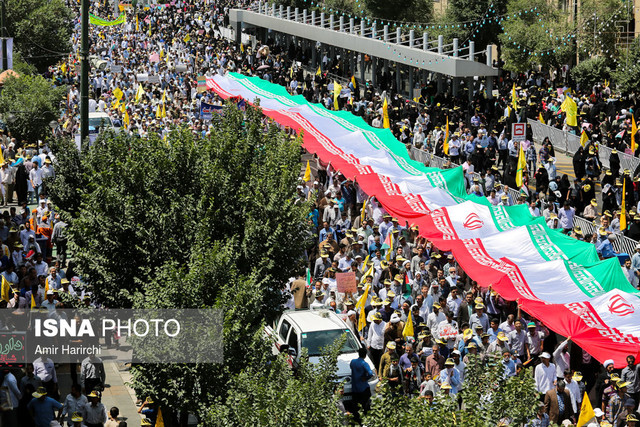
621	244
569	144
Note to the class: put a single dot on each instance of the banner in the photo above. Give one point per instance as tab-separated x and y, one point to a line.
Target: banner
104	23
207	110
558	279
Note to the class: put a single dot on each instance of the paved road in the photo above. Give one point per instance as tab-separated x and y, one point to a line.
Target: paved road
115	392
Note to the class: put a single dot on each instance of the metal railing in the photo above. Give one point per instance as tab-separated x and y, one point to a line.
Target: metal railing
386	33
621	244
570	143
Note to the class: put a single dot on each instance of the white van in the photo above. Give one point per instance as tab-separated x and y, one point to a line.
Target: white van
314	330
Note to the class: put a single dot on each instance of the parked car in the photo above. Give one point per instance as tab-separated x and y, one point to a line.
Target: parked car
314	330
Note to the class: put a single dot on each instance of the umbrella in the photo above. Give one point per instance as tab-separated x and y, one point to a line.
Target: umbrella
263	67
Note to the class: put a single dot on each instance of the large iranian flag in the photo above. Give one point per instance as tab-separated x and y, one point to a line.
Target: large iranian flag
555	278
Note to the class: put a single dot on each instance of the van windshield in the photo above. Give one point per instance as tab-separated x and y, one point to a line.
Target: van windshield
96	123
314	342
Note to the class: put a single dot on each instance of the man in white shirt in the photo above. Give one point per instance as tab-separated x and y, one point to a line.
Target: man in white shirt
35	176
545	374
5	179
375	338
44	369
453	302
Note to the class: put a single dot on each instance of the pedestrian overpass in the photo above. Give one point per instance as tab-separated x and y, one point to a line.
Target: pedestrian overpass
414	55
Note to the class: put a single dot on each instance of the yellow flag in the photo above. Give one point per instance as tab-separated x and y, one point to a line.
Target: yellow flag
336	94
319	72
408	327
126	119
583	138
385	115
137	23
186	38
446	138
63	68
362	318
363	214
570	107
623	208
33	302
634	131
307	173
159	112
541	118
46	286
364	264
353	81
514	98
522	164
242	47
369	272
118	93
6	288
586	412
1	157
139	93
159	419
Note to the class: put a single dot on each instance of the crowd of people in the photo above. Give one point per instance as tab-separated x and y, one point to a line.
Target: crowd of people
150	84
453	318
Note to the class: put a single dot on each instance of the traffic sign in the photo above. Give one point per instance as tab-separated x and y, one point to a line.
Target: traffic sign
518	131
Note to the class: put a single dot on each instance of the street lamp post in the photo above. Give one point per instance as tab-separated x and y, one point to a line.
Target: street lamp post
3	14
84	81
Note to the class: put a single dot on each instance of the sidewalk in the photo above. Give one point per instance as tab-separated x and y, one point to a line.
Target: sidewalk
116	393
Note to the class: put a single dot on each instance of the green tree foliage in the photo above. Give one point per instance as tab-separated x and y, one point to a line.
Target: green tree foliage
189	223
400	10
627	74
145	201
589	72
536	38
270	394
487	398
41	30
599	31
473	20
28	103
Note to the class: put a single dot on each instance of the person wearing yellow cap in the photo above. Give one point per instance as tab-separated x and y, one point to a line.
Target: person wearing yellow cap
615	406
95	413
435	318
43	408
450	375
479	317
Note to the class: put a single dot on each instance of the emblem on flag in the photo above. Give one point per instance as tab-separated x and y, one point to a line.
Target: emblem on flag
472	222
619	306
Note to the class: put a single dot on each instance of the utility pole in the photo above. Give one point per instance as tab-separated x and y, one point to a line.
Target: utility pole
3	15
84	81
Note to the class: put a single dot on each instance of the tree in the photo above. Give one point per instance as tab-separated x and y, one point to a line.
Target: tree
592	71
189	222
599	32
41	30
534	38
28	103
238	185
400	10
271	394
627	73
488	398
473	20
